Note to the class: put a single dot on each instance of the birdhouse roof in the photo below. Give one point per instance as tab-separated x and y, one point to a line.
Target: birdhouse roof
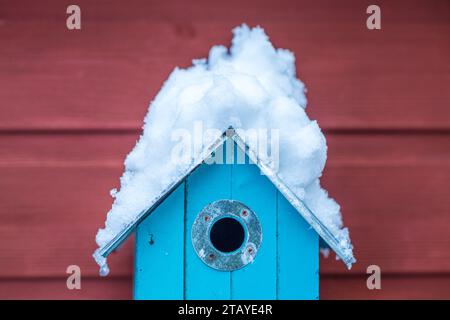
251	86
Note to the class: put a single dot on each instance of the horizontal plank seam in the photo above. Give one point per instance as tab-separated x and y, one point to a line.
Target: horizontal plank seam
135	131
398	275
389	275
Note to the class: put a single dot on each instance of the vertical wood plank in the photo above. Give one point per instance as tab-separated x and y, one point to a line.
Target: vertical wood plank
298	255
159	251
206	184
257	280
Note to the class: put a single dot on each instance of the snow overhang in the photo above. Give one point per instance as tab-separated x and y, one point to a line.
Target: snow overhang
339	247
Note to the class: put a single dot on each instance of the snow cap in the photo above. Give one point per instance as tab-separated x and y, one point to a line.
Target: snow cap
250	86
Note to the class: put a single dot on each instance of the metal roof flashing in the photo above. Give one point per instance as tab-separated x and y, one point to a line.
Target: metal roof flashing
341	249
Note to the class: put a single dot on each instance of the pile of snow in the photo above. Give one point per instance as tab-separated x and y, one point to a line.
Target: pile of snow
252	85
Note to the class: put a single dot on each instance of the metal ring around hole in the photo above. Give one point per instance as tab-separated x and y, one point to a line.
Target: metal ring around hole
201	241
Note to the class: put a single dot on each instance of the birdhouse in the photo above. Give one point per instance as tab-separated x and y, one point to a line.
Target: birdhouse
227	223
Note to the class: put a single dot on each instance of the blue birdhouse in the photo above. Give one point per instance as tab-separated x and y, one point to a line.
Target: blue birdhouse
227	230
227	223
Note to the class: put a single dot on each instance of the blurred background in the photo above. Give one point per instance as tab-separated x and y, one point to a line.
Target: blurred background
72	104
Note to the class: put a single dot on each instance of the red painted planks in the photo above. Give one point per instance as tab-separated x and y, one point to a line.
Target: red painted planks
55	288
49	218
331	287
393	195
89	86
105	75
392	287
55	194
398	217
204	10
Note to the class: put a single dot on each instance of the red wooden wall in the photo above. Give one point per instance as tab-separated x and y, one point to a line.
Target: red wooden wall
72	105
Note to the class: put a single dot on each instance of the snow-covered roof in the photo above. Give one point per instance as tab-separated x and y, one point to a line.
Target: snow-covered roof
251	86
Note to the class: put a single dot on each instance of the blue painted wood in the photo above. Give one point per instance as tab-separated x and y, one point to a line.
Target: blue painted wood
258	279
298	255
159	251
206	184
286	266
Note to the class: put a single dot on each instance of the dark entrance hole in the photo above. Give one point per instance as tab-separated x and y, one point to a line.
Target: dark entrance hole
227	235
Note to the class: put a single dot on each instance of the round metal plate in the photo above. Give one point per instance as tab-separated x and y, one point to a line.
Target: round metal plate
201	235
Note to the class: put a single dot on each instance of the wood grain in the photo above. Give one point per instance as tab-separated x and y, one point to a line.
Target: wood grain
258	193
72	104
336	287
159	251
55	288
406	287
55	194
198	275
105	75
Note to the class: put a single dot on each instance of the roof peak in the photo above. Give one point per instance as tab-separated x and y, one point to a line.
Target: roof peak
250	86
102	253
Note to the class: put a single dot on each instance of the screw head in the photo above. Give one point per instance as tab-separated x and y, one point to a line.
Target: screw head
244	213
211	256
206	218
